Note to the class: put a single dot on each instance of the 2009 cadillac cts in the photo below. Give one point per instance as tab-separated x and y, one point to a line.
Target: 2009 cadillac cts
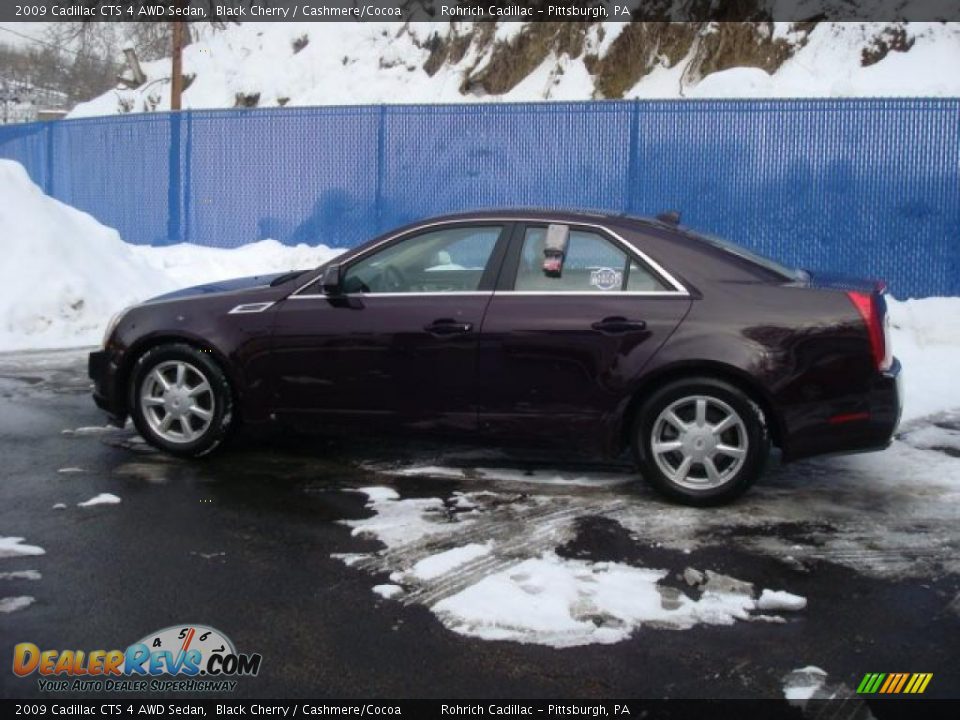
595	331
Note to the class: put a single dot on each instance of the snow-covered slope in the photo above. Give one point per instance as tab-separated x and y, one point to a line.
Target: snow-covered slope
63	274
288	64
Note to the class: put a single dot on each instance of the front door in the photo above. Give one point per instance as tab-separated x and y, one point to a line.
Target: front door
399	346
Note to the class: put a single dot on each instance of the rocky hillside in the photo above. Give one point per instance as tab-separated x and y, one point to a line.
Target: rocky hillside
287	64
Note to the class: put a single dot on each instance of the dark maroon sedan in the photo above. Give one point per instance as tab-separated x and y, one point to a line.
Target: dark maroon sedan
594	331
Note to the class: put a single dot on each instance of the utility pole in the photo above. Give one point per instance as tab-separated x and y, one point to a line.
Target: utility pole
176	79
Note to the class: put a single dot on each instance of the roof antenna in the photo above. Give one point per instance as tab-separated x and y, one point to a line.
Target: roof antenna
670	217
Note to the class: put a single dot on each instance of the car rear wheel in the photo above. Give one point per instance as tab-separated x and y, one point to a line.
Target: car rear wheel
181	400
700	441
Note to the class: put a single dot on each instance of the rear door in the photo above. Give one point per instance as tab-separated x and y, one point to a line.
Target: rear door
399	347
559	354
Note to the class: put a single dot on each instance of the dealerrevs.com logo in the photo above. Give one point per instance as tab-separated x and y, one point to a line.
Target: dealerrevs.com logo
178	658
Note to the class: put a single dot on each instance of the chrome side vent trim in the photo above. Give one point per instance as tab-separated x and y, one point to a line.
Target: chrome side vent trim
250	308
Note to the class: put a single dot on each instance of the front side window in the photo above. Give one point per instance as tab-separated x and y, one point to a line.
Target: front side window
445	260
591	263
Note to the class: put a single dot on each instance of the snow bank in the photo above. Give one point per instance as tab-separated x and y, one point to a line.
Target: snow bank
925	334
64	274
362	63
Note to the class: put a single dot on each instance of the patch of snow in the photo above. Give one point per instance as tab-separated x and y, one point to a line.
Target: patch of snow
563	603
402	521
101	499
68	470
20	575
90	430
435	471
12	547
388	591
512	475
925	334
494	572
434	566
12	604
60	506
801	684
379	494
780	600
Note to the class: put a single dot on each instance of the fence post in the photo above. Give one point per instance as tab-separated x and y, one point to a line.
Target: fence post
187	164
381	150
48	180
174	182
633	160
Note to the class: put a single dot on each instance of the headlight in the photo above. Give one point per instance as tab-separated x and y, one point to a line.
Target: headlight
112	325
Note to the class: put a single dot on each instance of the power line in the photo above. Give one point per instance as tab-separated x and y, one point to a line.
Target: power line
39	41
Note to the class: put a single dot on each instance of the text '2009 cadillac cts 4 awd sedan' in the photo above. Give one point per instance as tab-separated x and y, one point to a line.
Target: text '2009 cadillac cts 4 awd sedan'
593	331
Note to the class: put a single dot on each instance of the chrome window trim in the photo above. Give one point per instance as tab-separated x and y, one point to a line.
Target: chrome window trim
679	289
452	293
245	308
594	293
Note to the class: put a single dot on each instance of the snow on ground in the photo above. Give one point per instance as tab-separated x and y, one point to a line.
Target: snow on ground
361	63
925	334
485	564
12	604
593	479
779	600
101	499
14	547
803	683
20	575
64	274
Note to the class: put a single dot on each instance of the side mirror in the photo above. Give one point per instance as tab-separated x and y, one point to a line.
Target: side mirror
331	283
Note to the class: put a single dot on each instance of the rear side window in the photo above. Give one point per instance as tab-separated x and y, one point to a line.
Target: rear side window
592	264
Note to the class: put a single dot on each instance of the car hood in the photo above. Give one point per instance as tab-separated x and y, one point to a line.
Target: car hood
222	286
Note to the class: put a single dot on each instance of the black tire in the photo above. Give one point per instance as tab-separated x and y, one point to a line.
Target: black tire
201	364
753	431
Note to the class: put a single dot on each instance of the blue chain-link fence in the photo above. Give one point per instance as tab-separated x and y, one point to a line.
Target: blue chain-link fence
870	187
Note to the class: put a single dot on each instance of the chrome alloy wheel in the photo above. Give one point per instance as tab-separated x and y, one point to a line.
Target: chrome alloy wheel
699	442
177	401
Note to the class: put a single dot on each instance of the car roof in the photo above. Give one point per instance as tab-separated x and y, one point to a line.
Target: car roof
539	213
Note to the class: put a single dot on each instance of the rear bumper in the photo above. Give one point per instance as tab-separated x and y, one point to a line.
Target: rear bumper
864	424
103	371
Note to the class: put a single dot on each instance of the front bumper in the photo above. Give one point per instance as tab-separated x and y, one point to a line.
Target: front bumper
104	372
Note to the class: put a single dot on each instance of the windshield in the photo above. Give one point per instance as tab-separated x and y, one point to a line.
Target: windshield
773	266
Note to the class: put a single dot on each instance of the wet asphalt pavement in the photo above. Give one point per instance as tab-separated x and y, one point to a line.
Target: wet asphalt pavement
243	542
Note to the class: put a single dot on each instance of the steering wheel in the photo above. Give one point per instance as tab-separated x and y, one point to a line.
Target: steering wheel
393	279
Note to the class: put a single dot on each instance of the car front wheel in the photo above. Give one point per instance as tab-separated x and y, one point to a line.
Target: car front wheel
181	400
700	441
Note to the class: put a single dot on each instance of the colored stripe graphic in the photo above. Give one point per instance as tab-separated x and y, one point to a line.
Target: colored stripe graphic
894	683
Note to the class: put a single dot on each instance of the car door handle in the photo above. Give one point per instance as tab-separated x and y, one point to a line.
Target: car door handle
447	326
615	325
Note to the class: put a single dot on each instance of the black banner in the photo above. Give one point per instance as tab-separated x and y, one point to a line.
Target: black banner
475	11
851	708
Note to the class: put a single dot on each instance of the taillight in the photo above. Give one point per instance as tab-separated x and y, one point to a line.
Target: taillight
870	309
